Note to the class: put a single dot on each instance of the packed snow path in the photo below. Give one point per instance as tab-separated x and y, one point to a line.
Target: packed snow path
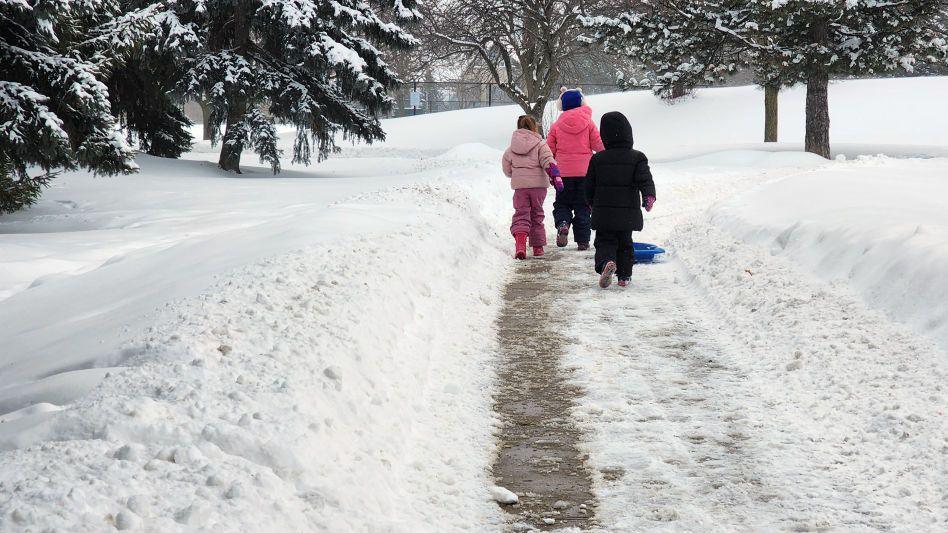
666	368
538	458
668	364
676	425
727	389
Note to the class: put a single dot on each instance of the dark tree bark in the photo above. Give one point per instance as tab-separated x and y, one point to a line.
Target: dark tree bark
231	148
678	90
817	113
205	119
817	97
771	100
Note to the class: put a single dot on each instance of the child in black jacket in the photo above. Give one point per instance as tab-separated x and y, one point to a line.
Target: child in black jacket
618	182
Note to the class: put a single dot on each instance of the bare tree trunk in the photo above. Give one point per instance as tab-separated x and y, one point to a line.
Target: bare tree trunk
537	113
237	107
678	90
205	119
817	113
231	149
817	98
771	99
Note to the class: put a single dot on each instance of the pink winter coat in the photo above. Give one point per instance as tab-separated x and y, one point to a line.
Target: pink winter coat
572	138
526	160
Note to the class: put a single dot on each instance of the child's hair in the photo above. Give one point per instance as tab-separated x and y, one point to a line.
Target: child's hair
526	122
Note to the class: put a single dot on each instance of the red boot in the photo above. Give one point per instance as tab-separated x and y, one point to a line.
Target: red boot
521	246
537	251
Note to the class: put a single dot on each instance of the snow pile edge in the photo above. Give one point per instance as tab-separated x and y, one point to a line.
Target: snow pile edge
333	389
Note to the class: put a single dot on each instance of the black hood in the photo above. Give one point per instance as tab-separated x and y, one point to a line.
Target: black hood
615	130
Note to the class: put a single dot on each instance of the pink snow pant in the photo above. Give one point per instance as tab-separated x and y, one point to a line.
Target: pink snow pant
528	215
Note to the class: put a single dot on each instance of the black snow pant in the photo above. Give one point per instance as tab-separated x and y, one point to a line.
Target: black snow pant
570	206
615	246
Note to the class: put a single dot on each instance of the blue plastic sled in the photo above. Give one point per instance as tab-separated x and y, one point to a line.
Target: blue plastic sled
645	252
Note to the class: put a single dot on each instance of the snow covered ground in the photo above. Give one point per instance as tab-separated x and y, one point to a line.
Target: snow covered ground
185	350
758	396
904	115
876	224
304	391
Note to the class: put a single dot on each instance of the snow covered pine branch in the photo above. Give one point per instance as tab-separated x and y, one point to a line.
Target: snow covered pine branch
55	112
785	42
312	64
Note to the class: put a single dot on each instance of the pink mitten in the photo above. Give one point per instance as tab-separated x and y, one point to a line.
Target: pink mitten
648	203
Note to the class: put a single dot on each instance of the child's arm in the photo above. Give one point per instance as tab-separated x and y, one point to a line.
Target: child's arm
595	141
645	183
546	156
549	164
507	164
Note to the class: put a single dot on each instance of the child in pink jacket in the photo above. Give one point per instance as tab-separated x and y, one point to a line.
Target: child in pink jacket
530	165
573	138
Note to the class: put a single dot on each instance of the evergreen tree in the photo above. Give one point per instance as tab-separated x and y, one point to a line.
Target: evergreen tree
309	63
678	42
54	107
784	42
683	46
813	41
142	88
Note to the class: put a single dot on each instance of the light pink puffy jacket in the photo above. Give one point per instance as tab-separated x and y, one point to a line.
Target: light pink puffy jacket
572	138
526	160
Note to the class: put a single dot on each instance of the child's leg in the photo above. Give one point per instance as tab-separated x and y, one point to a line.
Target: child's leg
537	231
606	244
581	213
624	254
563	204
521	216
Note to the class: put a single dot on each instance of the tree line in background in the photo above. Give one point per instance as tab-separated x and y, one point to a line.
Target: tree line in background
83	81
529	46
783	42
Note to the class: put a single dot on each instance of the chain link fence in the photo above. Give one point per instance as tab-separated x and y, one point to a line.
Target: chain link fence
421	97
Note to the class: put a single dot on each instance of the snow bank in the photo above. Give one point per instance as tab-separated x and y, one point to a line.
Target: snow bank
906	114
86	269
334	388
876	224
729	389
842	408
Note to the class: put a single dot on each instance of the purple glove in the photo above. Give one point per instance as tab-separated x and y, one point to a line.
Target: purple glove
553	172
648	202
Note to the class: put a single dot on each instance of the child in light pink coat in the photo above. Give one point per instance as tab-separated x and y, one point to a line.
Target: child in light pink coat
529	164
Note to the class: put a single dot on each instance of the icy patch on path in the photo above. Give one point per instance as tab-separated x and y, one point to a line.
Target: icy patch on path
329	389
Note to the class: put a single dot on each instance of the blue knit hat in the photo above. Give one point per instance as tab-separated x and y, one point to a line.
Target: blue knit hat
571	99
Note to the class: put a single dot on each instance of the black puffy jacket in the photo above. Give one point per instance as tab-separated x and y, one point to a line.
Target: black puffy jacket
618	178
